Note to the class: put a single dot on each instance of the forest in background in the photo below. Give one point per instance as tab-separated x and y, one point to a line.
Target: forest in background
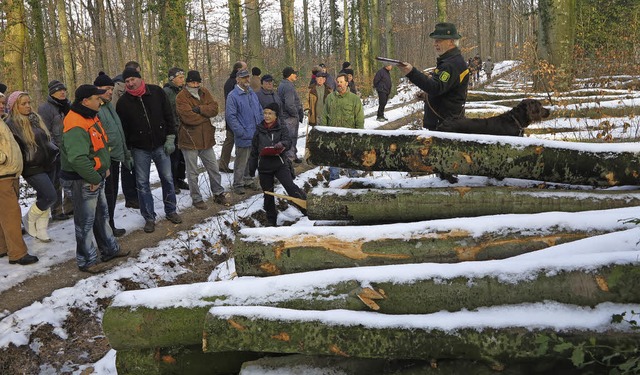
73	40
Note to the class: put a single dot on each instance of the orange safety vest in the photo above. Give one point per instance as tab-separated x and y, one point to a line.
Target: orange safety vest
93	126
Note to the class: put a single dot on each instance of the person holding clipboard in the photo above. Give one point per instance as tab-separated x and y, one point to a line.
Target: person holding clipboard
446	87
268	149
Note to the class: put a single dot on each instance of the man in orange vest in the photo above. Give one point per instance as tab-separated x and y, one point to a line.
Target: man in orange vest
85	166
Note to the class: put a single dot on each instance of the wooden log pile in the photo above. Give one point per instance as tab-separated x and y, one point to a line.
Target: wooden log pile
370	300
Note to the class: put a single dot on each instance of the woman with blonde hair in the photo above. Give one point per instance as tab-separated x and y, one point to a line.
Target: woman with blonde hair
39	156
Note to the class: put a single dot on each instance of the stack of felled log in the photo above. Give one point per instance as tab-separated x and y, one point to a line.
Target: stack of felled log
368	299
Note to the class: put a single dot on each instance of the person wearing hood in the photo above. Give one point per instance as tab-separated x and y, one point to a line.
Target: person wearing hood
178	169
197	136
52	113
39	156
85	166
150	130
268	147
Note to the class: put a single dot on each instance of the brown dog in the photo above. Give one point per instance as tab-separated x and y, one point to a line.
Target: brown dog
509	123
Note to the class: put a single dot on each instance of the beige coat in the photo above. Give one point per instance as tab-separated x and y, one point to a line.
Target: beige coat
196	131
10	154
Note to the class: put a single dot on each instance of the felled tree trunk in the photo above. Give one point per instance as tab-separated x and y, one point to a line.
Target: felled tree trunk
434	152
405	205
312	252
242	328
181	360
130	327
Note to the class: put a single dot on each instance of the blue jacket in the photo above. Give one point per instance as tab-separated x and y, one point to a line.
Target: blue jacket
242	113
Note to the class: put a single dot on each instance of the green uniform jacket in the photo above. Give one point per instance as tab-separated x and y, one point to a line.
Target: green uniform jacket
84	154
113	126
343	111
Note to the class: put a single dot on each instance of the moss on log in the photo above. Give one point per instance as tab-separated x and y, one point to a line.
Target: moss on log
311	252
304	364
181	360
138	327
405	205
435	152
235	329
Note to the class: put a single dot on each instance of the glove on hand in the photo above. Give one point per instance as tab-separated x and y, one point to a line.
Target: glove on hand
169	144
128	160
279	146
196	109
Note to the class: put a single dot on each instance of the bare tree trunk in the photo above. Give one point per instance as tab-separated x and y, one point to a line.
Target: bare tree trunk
118	33
441	7
254	54
365	32
38	46
556	38
173	40
345	19
235	31
334	28
67	57
206	42
288	32
305	22
478	26
14	45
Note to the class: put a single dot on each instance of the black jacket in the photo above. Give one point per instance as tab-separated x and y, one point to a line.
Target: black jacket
382	81
446	89
262	138
146	120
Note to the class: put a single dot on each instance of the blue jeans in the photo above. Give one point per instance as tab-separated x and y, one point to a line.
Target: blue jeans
142	167
334	173
90	213
42	183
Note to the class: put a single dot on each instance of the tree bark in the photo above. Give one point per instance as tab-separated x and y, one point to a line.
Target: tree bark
441	10
434	152
173	40
13	45
255	55
364	30
239	329
138	326
345	20
556	39
181	360
406	205
38	46
67	56
235	31
312	252
288	32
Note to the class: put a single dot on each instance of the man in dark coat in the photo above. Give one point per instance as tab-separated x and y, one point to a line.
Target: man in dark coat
382	84
150	130
446	87
178	166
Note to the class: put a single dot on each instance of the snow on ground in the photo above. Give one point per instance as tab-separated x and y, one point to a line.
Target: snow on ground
163	262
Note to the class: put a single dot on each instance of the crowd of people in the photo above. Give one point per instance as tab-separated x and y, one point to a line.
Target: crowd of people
76	154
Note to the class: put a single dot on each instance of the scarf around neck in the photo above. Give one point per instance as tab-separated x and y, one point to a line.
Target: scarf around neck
139	91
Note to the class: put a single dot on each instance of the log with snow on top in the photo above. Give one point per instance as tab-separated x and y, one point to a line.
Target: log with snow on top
273	251
498	336
586	272
404	205
600	164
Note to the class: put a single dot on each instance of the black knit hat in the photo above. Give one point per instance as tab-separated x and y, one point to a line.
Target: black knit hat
130	72
194	76
255	71
87	91
103	80
286	72
274	107
174	72
3	88
55	86
345	65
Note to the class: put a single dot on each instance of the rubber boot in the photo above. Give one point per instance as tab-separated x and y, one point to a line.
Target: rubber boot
41	226
29	220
